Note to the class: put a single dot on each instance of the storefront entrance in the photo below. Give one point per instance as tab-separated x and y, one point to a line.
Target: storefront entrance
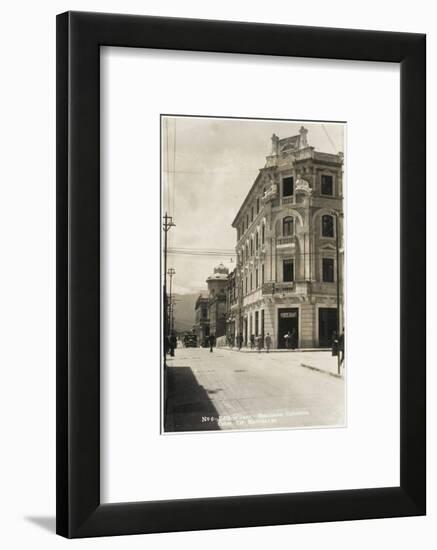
327	325
288	321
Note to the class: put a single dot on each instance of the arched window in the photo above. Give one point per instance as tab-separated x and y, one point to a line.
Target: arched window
287	226
327	226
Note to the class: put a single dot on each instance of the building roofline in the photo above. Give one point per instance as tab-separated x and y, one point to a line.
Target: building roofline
247	197
199	299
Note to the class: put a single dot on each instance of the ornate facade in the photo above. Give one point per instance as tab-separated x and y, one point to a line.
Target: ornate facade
201	326
290	247
217	285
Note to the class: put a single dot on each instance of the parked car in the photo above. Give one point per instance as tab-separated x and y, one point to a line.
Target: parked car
190	341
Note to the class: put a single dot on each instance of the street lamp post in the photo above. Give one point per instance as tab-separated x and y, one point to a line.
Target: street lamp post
337	255
338	291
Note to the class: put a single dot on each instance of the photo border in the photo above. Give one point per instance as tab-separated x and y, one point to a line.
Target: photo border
79	511
161	210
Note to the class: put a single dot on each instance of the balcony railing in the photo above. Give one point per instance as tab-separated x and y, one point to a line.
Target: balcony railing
284	287
268	288
285	240
272	288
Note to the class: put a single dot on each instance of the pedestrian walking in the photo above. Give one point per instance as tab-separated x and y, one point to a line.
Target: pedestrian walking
287	339
334	344
211	342
252	341
293	339
341	346
259	343
240	341
268	342
173	344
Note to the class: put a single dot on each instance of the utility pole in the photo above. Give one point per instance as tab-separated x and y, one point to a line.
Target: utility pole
338	290
168	223
171	272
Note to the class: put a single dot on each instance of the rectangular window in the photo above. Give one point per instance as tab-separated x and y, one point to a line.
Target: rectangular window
287	226
256	278
256	322
257	206
247	221
288	271
327	185
262	324
251	281
251	214
246	285
287	187
328	270
263	233
256	241
327	226
262	274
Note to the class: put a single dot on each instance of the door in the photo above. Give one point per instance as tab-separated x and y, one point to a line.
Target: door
288	321
327	326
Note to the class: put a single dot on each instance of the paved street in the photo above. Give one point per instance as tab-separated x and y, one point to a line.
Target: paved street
228	390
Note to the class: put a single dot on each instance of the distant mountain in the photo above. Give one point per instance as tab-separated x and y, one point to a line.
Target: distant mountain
184	314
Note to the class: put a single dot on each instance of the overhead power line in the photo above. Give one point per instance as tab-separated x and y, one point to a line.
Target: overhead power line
199	252
330	139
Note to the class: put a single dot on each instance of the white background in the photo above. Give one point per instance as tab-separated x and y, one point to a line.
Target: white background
27	170
141	464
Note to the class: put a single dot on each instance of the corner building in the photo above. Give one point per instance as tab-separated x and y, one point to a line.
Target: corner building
217	284
201	325
287	247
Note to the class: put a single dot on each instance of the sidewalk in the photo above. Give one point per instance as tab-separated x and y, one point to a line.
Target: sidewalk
323	363
318	359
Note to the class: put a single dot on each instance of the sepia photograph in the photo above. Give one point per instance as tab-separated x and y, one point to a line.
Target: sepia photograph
252	270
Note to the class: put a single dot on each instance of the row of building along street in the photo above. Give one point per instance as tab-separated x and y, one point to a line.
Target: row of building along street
289	249
284	292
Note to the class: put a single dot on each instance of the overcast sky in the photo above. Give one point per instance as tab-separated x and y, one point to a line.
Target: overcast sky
209	165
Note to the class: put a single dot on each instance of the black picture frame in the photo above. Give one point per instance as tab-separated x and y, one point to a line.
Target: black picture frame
79	511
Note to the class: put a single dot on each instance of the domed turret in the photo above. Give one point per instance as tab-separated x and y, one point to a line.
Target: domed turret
217	281
220	273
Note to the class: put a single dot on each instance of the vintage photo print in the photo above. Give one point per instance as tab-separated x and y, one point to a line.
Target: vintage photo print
252	270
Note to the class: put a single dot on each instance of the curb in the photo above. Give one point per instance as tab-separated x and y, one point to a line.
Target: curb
334	374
